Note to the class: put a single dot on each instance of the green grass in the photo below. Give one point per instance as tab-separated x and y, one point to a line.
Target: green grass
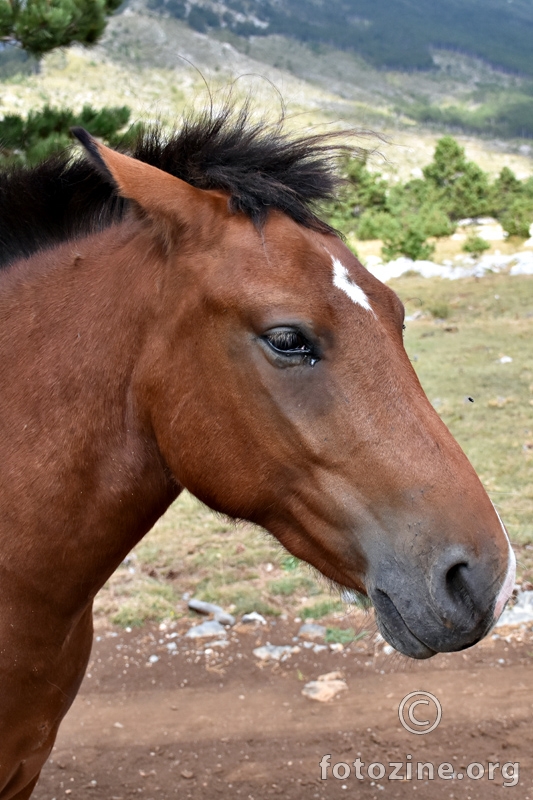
287	586
439	310
321	609
343	635
157	602
289	563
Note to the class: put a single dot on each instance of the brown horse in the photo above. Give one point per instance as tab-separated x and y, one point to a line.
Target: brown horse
183	319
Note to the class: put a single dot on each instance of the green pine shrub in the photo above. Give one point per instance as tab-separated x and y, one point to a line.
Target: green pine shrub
42	133
410	239
517	218
361	191
39	26
512	203
475	245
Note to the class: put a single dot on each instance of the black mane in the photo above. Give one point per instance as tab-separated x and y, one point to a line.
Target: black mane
259	166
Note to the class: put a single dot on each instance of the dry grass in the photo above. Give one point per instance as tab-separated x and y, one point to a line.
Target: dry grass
459	357
193	550
446	248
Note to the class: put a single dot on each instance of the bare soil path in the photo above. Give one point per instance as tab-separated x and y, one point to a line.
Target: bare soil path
202	725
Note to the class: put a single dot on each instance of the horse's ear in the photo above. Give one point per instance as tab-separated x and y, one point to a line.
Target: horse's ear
156	192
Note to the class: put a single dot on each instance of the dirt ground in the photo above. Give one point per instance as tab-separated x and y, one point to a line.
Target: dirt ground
207	721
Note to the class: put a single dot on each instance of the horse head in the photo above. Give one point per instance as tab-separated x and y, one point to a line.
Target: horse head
279	391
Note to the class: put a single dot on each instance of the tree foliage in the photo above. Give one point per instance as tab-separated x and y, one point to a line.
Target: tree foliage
39	26
361	191
475	245
43	133
405	216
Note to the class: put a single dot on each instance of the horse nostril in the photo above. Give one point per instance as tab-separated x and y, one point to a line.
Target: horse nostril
457	586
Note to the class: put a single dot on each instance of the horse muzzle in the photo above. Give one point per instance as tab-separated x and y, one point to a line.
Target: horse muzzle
448	608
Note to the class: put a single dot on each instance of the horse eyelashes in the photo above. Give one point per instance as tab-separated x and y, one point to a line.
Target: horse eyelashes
289	340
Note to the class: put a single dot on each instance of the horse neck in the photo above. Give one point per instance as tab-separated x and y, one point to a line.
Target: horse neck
81	475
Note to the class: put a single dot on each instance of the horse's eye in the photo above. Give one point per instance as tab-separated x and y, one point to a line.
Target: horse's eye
288	341
290	345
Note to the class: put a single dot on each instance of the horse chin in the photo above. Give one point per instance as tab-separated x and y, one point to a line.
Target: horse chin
404	641
394	630
390	623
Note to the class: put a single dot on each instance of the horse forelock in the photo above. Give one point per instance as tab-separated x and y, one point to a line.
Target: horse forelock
258	165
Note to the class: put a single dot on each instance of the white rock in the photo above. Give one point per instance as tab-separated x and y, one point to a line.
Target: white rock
224	618
521	612
253	616
336	675
206	629
275	652
520	263
325	688
202	607
493	232
371	262
310	630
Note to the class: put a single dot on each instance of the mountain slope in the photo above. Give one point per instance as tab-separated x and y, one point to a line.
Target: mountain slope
396	34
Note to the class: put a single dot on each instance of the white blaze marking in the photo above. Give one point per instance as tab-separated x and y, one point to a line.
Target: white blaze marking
508	584
342	281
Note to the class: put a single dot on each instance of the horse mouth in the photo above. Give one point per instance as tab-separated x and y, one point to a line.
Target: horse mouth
394	629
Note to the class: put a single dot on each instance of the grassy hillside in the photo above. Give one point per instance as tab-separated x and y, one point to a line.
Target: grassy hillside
459	92
395	35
